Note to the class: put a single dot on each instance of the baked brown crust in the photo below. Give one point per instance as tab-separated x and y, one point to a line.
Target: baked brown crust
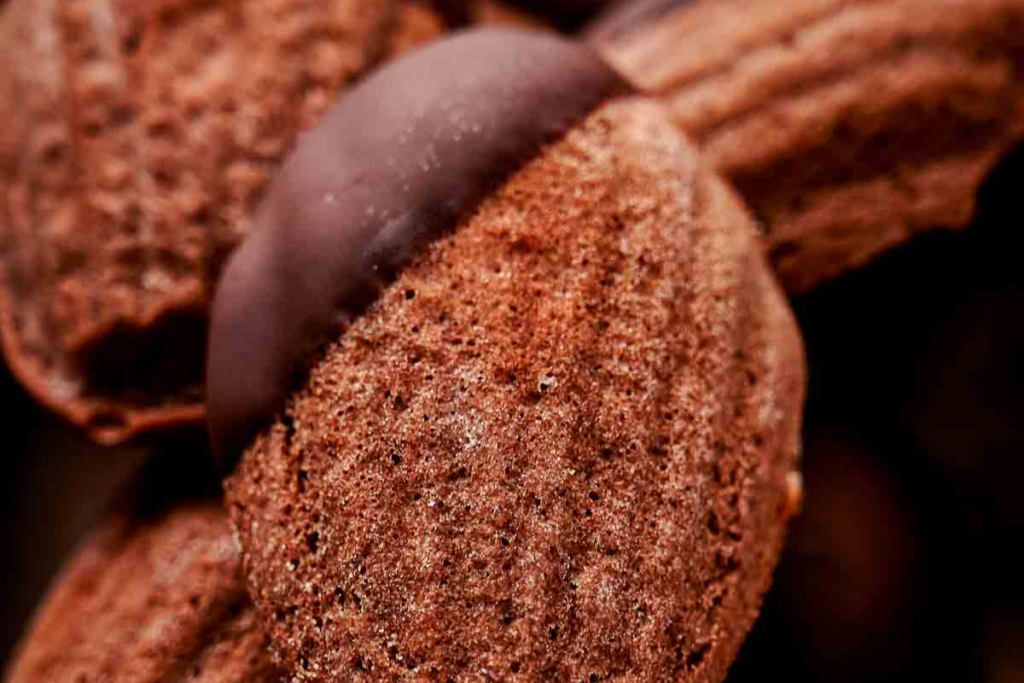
149	599
137	139
558	447
848	127
404	155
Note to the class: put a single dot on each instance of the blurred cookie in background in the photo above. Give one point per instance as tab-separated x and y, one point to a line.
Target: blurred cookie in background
966	406
138	138
1003	646
851	586
967	411
849	128
853	574
53	484
155	593
915	401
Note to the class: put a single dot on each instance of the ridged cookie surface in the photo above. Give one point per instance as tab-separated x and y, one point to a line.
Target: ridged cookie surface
149	598
137	139
559	447
847	125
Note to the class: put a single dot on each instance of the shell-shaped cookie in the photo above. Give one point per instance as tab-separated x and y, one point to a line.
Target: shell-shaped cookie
137	139
848	127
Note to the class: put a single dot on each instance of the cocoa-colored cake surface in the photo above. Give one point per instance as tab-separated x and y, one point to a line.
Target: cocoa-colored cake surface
848	127
153	596
396	164
137	139
560	445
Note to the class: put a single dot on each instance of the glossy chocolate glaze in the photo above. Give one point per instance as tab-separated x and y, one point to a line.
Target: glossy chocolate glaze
393	166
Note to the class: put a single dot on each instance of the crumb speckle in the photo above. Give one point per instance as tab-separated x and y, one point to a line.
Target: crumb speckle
554	527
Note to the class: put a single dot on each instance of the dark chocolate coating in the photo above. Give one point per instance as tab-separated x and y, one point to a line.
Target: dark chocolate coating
392	166
627	16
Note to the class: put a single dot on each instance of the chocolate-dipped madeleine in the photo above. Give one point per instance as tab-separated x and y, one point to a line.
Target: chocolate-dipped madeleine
848	127
517	394
137	139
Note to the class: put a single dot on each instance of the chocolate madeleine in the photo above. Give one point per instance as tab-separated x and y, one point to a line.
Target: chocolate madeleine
138	138
517	394
155	594
848	127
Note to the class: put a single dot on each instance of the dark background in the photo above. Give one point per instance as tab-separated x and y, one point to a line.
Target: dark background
53	485
904	563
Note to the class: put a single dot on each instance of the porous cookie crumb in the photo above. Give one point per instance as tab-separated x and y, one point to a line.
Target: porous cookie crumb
556	448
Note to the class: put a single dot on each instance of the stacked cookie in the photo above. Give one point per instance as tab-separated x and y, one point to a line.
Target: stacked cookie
848	127
496	370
